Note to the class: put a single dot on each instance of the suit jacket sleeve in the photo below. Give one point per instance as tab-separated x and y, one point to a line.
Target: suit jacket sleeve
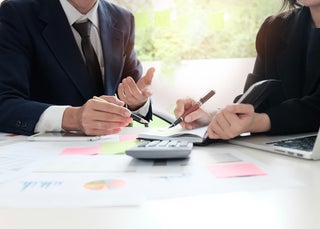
17	115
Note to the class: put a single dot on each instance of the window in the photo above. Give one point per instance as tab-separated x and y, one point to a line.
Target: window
197	29
197	45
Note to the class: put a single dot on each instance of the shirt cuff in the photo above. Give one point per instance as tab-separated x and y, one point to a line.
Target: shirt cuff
50	119
144	109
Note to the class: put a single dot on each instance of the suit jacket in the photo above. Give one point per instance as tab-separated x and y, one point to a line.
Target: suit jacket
281	45
41	64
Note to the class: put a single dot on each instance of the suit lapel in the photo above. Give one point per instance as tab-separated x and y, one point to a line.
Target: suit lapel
112	45
64	47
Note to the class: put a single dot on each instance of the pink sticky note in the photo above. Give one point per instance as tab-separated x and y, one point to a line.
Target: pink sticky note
235	170
127	137
93	150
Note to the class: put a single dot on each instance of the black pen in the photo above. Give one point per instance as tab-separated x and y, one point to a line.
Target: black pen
135	117
196	106
139	119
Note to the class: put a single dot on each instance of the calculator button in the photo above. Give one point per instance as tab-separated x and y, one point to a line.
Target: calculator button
163	143
152	144
160	149
143	143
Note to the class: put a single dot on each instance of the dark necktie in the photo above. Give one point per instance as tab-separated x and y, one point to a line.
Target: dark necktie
90	55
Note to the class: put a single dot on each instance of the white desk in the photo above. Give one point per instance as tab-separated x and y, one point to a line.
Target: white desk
289	208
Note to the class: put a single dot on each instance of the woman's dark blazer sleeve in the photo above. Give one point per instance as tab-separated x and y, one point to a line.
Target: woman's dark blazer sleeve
293	108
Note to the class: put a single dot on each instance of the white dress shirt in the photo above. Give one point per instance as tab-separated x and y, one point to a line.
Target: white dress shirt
51	118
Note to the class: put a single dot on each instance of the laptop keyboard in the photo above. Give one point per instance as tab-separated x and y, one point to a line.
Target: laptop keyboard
304	143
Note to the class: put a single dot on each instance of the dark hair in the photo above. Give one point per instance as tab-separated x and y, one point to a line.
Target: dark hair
290	4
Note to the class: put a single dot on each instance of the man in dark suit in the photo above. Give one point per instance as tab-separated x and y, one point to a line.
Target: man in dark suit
45	83
288	48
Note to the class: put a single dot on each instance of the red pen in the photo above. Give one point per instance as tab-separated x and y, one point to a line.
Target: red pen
196	106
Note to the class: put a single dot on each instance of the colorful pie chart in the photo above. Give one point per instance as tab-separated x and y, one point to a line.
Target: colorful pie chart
108	184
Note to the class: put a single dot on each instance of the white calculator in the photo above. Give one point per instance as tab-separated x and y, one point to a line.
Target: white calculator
161	149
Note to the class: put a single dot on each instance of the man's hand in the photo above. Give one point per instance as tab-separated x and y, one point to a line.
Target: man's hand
136	94
97	117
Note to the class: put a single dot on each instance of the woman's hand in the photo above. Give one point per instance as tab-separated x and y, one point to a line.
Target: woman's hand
195	119
236	119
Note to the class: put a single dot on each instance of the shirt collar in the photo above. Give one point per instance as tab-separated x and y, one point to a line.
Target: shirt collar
74	15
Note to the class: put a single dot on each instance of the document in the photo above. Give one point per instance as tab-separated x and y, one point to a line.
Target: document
15	161
118	180
67	136
196	135
69	190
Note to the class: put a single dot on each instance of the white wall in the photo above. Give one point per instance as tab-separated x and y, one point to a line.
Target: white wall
195	78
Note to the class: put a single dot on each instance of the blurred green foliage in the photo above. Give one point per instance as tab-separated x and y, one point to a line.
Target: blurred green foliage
174	30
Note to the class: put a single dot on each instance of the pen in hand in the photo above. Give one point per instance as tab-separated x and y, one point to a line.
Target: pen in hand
139	119
196	106
135	117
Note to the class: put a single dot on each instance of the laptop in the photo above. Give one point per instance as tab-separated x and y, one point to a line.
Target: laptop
305	145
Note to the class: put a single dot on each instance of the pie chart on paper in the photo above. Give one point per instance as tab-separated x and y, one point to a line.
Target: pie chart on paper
108	184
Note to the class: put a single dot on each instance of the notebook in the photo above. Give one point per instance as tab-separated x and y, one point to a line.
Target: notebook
305	145
196	135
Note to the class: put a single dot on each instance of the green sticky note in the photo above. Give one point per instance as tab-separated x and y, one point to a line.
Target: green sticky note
117	148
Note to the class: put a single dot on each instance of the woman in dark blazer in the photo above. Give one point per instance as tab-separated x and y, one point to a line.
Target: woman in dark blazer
288	49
